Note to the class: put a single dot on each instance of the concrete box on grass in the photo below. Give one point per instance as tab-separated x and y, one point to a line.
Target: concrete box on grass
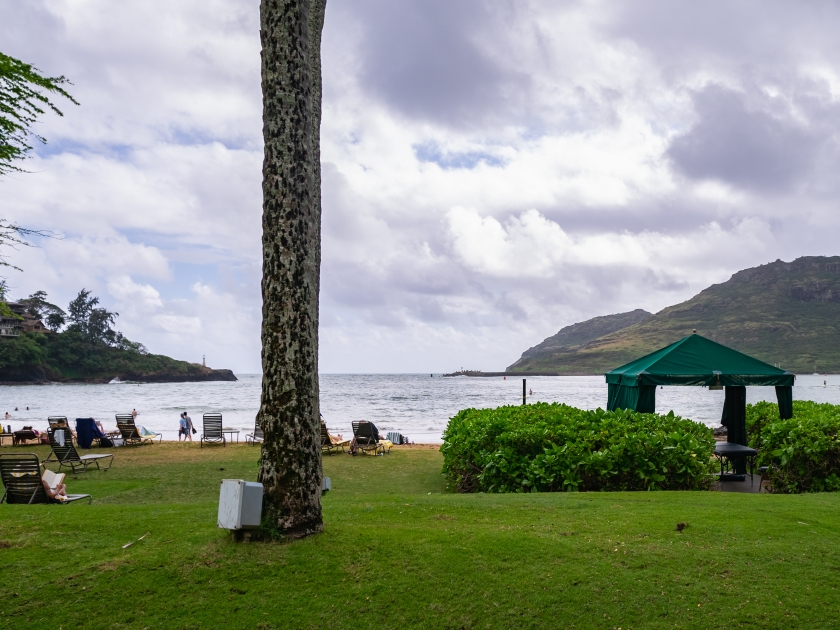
240	504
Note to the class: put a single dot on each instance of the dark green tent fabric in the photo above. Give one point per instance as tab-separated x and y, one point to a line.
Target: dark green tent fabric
695	360
642	399
734	418
785	397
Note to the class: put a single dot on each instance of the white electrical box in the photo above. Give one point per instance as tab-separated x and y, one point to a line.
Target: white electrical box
240	504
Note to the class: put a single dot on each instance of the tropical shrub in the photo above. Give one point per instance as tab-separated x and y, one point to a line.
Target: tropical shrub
760	415
802	453
552	447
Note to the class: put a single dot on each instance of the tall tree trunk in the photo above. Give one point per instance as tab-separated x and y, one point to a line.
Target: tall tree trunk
290	462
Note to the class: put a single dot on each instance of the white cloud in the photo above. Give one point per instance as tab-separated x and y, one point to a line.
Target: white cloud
486	180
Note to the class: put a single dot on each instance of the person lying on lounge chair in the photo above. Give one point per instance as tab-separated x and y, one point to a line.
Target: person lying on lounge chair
63	425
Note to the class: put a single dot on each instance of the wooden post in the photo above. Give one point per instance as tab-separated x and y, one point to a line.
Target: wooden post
524	392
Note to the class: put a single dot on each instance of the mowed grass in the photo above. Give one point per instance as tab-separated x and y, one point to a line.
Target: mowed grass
399	552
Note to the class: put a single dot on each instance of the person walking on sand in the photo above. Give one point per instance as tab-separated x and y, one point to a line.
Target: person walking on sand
189	427
182	428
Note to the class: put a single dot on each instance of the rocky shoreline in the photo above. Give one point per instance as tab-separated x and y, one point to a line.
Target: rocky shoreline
129	377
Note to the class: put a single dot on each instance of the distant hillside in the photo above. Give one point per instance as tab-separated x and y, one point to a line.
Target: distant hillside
575	335
782	313
65	357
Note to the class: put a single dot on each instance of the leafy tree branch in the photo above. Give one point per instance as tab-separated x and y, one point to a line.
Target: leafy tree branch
24	96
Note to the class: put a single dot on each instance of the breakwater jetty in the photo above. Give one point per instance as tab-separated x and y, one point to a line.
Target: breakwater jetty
512	374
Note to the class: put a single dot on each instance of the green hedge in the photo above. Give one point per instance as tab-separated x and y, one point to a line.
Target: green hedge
803	453
552	447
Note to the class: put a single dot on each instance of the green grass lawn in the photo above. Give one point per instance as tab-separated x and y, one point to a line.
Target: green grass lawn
398	552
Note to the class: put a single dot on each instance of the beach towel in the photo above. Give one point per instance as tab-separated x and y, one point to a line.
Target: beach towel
59	437
87	431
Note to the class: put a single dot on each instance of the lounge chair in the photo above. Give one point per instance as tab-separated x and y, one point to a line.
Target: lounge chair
67	455
327	445
256	436
24	435
21	474
131	435
55	421
364	434
212	430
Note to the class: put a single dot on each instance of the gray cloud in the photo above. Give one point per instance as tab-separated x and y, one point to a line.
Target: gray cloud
748	148
745	36
430	59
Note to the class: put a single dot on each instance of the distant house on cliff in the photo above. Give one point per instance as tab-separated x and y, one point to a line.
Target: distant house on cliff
22	322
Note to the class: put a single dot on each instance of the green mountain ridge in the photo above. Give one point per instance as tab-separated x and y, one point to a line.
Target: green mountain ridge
578	334
785	313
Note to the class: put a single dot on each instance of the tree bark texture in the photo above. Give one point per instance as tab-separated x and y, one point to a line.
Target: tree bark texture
290	461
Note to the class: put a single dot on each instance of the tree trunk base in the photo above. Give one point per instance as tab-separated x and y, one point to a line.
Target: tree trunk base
271	534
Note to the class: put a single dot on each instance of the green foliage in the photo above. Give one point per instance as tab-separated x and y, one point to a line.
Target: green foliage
70	356
802	453
22	100
50	314
553	447
92	323
22	353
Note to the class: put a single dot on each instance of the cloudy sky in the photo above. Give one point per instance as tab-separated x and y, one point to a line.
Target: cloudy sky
492	171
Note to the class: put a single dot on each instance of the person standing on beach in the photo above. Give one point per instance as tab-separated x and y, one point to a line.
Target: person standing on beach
134	414
182	428
189	427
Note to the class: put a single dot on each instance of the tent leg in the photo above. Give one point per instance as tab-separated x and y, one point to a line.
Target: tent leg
734	418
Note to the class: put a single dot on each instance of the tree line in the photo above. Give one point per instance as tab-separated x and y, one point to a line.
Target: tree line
84	318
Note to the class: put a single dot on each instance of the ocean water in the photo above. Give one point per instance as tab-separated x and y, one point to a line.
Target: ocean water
417	405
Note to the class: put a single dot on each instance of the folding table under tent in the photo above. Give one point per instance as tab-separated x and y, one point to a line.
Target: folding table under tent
695	360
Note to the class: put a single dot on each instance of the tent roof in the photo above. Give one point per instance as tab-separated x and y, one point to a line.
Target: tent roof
695	360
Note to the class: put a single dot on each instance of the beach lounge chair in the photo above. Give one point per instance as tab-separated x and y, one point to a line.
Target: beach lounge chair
131	435
363	431
327	445
21	474
55	421
67	455
24	435
212	430
256	436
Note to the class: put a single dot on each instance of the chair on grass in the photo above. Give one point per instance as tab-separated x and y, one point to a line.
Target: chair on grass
24	435
67	455
366	435
56	421
212	430
327	445
21	474
256	436
131	435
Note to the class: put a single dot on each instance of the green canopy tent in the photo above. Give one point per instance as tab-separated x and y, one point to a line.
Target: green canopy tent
695	360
